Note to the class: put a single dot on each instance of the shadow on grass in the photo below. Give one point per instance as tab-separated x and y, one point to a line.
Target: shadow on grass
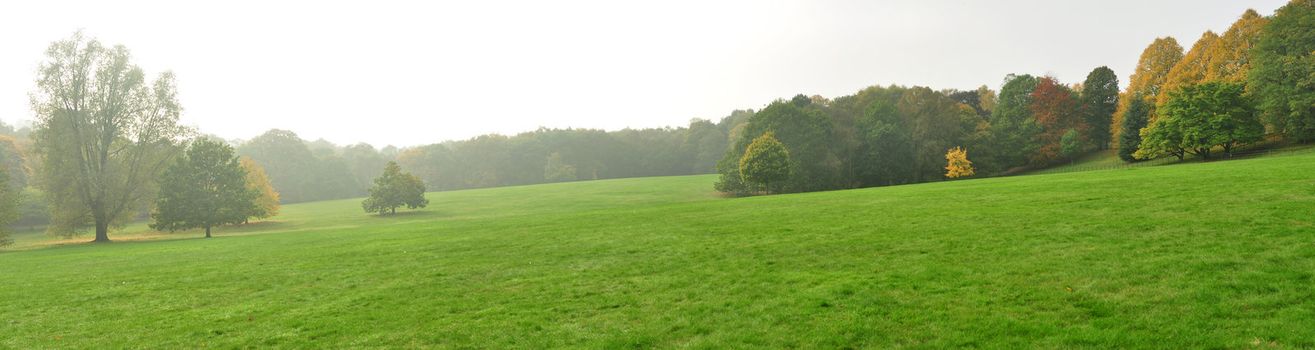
410	214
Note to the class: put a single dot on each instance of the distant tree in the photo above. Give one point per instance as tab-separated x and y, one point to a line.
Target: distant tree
1135	119
805	129
935	126
1070	145
1099	101
395	188
557	170
1230	57
9	198
103	134
298	173
267	199
1013	127
1148	77
957	163
364	162
1198	118
206	187
33	209
1283	68
766	163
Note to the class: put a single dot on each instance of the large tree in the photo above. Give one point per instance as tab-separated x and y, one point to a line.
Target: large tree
206	187
1282	75
395	188
1099	101
103	134
1197	118
1152	68
1055	109
1230	57
1191	69
1013	127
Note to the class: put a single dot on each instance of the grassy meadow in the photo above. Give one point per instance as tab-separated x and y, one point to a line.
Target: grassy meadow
1199	255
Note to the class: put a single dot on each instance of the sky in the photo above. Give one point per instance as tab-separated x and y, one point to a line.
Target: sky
413	73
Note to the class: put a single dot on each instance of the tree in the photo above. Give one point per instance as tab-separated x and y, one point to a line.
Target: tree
1056	112
1134	120
1197	118
557	170
766	163
103	134
935	126
1191	69
1230	57
9	198
1013	128
957	163
1099	101
1283	69
1152	67
395	188
804	128
206	187
1070	145
267	199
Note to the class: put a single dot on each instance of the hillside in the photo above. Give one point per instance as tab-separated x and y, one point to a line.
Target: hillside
1186	256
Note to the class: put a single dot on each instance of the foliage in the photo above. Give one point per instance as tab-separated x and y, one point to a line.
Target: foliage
804	128
9	210
267	199
1099	101
1055	109
1282	74
1152	68
556	170
299	174
766	163
103	134
1134	120
1230	57
1013	128
1198	118
395	188
1191	69
957	163
205	187
1070	145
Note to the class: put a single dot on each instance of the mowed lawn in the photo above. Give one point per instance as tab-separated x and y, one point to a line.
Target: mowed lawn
1199	255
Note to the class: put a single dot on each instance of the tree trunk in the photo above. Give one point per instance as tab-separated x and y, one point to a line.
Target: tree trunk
207	231
393	211
102	232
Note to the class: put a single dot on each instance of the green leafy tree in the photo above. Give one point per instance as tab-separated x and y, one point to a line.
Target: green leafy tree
1013	128
395	188
206	187
803	127
766	163
1282	75
1099	101
557	170
103	134
1134	119
1070	145
1147	79
1197	118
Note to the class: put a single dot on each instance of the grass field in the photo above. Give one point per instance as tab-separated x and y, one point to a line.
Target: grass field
1203	255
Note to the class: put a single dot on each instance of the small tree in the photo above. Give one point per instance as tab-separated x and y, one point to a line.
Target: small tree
393	189
205	187
765	163
1069	145
8	206
957	163
267	199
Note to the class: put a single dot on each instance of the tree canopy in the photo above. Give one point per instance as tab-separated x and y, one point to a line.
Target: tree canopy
205	187
766	163
395	188
1283	70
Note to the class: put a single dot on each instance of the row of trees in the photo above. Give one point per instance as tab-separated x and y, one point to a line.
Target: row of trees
896	135
1226	91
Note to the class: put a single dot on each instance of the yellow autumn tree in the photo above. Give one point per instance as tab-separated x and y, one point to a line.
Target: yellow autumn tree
1230	57
267	202
958	164
1190	70
1152	67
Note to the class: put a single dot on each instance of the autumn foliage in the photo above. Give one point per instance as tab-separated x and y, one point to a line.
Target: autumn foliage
957	163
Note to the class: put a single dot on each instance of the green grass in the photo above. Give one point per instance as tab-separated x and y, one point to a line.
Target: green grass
1201	255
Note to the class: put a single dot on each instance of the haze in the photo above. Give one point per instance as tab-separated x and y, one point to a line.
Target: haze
354	72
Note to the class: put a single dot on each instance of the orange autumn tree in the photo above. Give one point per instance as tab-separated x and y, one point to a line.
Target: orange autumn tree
957	163
1056	110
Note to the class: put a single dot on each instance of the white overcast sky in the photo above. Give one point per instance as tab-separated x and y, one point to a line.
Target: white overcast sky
412	73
